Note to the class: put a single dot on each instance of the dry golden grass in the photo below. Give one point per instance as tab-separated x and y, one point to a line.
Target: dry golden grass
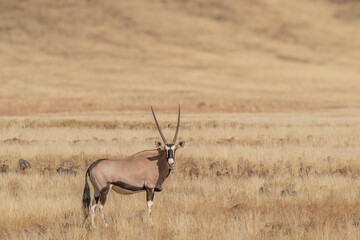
280	177
269	92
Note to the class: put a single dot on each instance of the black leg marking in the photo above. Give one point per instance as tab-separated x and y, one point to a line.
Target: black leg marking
149	198
150	194
103	195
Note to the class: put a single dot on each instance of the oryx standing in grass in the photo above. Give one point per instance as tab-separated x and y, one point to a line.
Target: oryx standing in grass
144	171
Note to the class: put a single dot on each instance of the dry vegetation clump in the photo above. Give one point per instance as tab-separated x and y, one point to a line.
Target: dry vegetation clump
23	165
4	168
62	170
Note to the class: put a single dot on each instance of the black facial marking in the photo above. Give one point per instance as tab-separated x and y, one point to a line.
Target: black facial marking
128	186
170	153
96	199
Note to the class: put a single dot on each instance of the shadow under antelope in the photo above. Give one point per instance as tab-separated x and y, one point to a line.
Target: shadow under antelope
145	171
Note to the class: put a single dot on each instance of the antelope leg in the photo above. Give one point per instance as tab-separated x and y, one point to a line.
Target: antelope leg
93	209
103	196
149	198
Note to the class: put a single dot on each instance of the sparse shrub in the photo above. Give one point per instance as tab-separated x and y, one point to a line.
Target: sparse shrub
4	168
194	172
64	171
23	164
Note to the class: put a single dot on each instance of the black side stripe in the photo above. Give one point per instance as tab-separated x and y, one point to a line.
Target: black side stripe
128	186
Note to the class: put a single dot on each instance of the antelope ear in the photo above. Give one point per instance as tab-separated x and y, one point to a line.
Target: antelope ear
158	144
180	144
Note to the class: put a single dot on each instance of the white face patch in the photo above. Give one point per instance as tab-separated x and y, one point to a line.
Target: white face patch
170	151
171	162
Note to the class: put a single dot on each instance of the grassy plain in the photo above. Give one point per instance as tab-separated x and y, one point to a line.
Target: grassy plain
281	176
270	98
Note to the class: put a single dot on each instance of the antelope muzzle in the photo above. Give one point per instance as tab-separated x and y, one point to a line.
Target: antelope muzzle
170	157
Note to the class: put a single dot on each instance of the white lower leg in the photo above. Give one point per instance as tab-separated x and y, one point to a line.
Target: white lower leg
93	208
149	205
102	212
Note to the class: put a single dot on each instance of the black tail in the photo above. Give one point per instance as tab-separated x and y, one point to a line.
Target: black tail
86	196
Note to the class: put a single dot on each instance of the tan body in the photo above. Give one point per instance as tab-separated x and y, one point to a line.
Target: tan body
146	169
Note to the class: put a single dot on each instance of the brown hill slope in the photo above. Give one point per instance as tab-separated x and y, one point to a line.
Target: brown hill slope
97	56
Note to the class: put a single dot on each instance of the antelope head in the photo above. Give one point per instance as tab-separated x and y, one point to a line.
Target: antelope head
169	148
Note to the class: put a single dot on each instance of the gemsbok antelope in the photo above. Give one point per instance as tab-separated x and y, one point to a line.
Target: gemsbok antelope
144	171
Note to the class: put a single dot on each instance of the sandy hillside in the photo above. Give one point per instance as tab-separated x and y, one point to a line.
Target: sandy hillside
79	57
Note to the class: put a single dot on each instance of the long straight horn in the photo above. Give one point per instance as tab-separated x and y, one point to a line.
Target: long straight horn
157	124
177	127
